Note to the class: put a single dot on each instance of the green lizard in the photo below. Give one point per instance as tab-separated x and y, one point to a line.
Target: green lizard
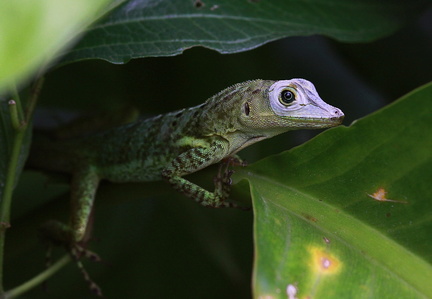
170	146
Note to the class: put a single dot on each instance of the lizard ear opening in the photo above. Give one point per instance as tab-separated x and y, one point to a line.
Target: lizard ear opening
246	108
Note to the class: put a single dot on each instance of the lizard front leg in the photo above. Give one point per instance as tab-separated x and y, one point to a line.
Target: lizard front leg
196	159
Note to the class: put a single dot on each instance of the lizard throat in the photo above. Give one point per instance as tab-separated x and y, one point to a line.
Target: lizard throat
248	142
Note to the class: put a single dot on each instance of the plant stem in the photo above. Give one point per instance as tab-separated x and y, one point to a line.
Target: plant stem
38	279
20	126
16	98
7	196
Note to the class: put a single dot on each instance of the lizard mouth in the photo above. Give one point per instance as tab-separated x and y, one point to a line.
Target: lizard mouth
321	122
332	120
320	117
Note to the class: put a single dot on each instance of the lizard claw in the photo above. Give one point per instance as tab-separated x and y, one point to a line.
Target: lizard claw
234	161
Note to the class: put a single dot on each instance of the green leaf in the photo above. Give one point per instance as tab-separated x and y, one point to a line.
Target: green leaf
141	28
32	33
320	234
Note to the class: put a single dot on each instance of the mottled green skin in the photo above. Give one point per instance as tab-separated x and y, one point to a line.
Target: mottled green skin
172	145
139	151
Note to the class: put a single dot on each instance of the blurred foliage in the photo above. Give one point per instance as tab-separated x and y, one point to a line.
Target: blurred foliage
32	33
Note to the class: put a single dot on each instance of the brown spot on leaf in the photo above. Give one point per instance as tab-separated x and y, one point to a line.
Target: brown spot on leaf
381	195
323	262
310	218
199	4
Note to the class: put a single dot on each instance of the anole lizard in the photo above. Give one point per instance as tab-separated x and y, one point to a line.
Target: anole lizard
169	146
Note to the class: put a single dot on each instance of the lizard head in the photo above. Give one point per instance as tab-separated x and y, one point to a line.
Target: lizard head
285	105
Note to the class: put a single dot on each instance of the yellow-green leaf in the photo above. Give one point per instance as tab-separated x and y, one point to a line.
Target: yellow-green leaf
33	33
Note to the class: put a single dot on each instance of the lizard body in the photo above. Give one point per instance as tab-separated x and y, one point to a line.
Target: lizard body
139	151
172	145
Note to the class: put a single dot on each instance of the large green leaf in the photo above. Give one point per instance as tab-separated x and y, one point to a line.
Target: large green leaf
319	234
141	28
32	33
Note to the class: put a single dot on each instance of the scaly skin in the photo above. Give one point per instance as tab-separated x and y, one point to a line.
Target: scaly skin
172	145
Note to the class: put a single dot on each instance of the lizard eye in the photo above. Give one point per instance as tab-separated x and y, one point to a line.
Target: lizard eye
287	97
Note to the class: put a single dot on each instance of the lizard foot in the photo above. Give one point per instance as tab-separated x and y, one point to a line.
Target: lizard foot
54	233
223	182
77	252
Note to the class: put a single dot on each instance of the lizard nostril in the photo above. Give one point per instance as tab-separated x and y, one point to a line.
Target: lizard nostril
338	112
